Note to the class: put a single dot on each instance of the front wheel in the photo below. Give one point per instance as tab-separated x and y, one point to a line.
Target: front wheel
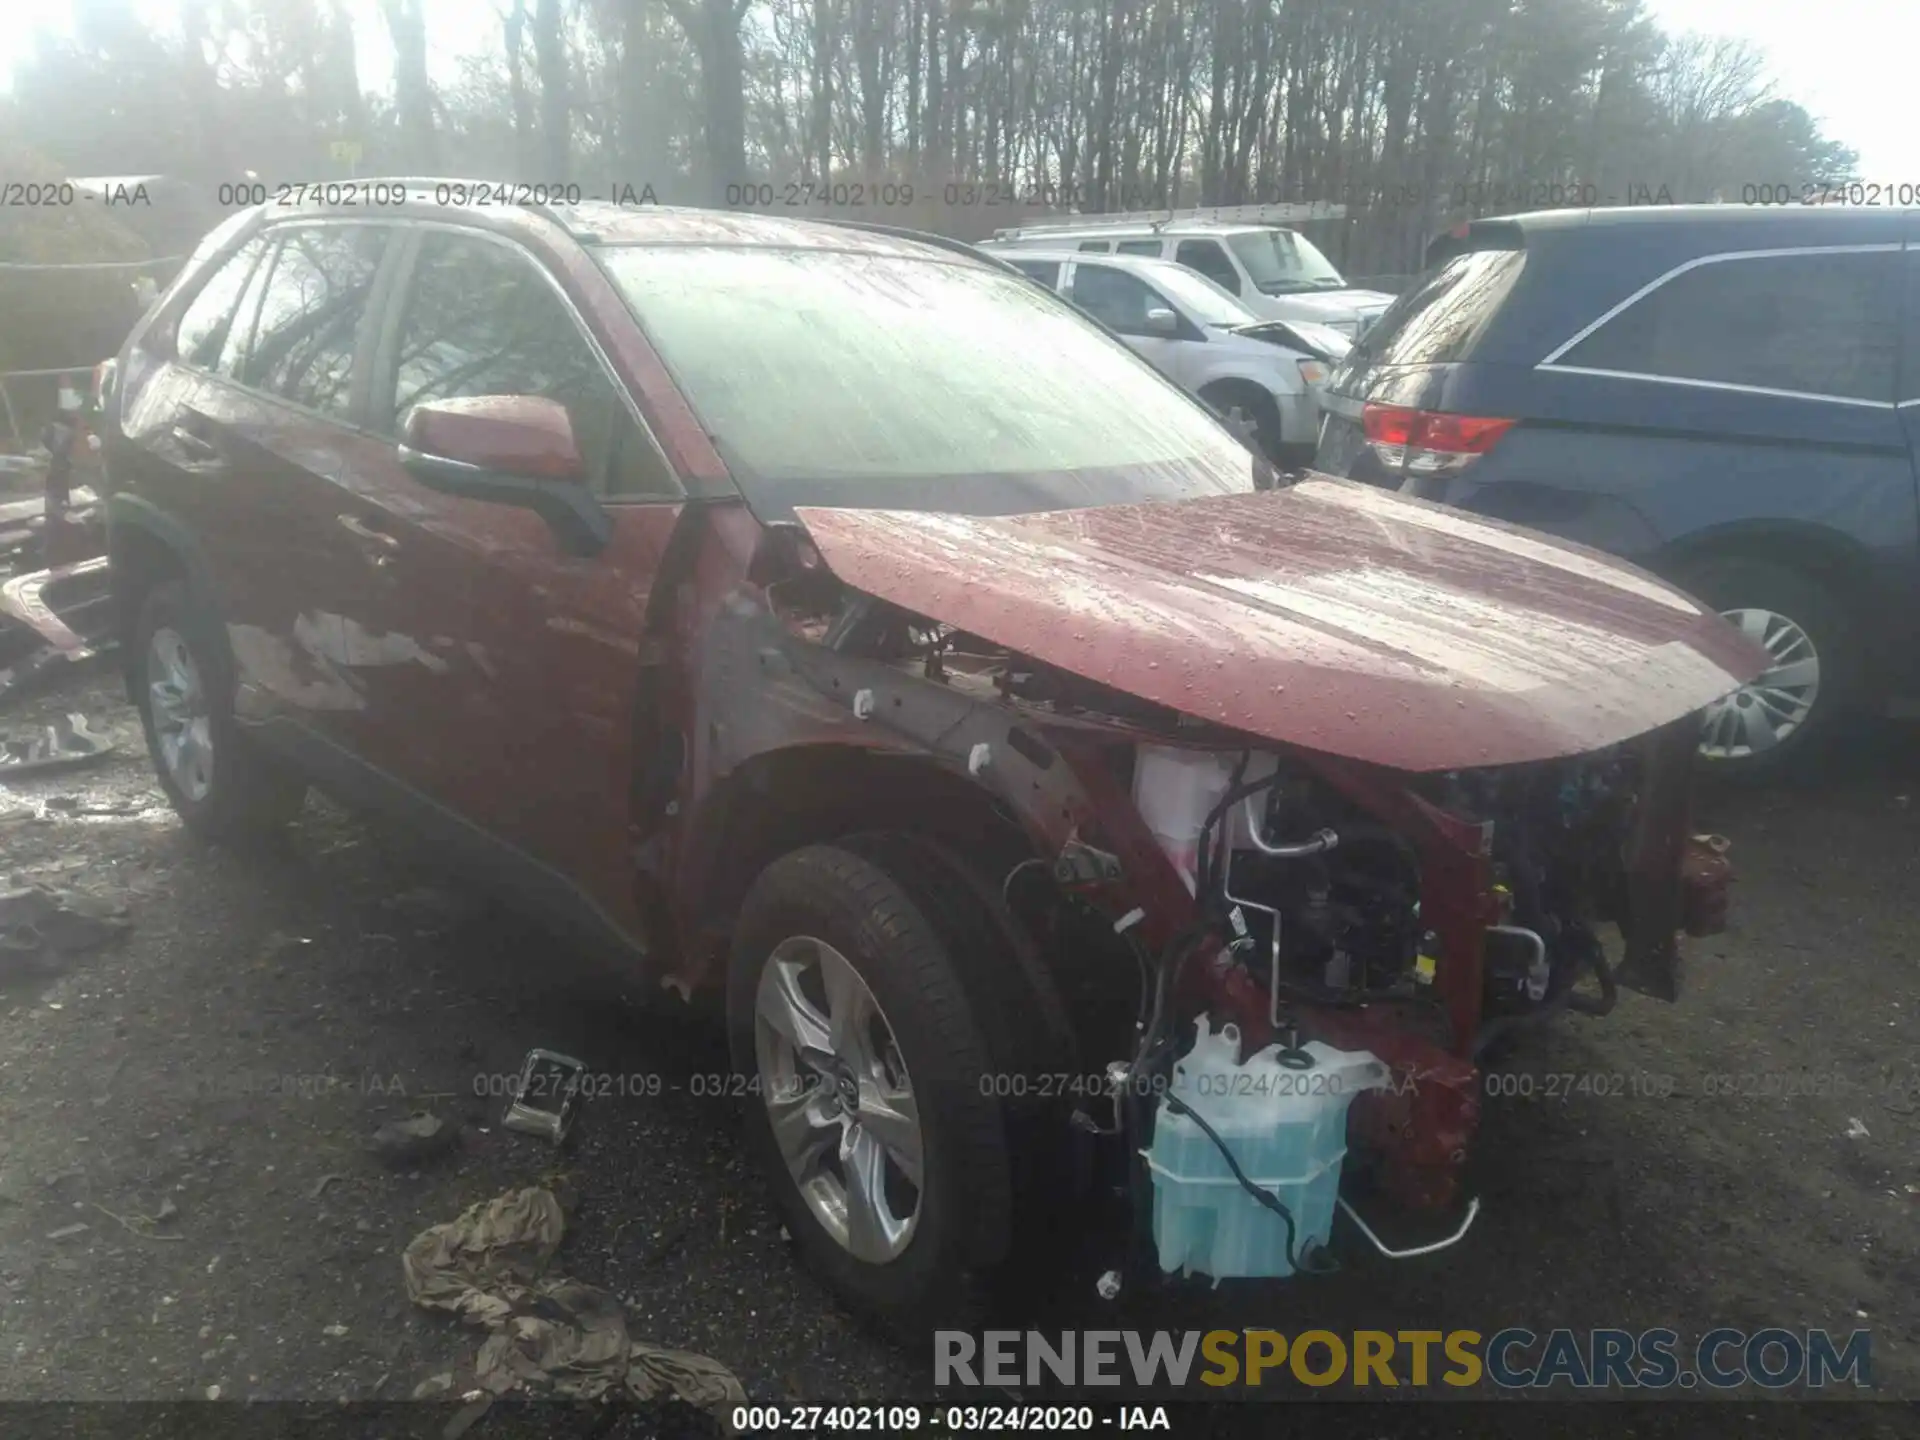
870	1111
1254	415
1802	699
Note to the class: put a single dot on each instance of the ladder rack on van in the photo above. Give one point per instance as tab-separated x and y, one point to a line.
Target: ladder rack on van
1278	214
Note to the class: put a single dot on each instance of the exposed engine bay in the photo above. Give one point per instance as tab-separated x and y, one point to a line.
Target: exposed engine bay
1322	896
1211	898
1324	899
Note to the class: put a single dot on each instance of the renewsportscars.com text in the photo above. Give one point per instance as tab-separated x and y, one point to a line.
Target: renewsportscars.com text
1509	1359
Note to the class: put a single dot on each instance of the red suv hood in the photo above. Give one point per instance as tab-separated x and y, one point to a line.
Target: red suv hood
1328	615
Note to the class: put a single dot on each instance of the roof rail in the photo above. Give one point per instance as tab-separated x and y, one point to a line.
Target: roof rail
924	237
1291	213
428	182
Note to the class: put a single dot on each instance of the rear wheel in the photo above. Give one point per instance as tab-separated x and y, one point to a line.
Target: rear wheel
218	781
1801	701
871	1111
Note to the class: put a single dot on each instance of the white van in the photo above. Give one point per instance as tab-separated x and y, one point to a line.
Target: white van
1274	271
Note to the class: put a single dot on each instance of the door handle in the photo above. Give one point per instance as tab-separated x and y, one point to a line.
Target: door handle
196	446
360	530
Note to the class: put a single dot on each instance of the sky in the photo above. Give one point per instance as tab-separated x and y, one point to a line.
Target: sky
1849	62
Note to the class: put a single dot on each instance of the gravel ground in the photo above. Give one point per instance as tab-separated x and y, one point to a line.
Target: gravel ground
199	1097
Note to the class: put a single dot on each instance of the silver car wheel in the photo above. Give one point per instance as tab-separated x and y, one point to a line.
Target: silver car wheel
1762	714
838	1096
177	701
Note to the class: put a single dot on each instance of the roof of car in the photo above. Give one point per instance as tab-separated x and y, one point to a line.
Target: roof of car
605	222
1095	226
1672	215
685	225
1152	264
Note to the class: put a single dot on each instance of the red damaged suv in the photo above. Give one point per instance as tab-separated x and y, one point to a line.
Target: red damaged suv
830	616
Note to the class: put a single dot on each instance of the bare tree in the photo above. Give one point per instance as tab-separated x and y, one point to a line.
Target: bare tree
514	27
556	110
412	89
1411	113
712	27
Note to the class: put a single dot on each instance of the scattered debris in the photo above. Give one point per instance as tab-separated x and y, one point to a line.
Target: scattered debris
213	1392
1856	1128
550	1077
39	927
334	1331
80	805
32	671
420	1136
141	1224
320	1185
434	1385
67	1232
548	1335
63	745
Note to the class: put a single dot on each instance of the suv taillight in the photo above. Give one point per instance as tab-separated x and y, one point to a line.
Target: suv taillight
1428	442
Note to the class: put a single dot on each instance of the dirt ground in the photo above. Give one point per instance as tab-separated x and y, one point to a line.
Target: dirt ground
198	1099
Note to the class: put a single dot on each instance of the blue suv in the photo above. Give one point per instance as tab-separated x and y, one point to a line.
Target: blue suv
1726	395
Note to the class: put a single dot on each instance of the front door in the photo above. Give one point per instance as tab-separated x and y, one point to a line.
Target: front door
521	717
1122	302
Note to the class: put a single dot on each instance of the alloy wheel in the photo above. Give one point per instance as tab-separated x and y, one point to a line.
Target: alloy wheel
177	701
839	1098
1766	711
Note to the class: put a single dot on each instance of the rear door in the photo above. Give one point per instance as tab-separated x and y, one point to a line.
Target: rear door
264	419
310	629
1045	272
525	722
158	451
1910	360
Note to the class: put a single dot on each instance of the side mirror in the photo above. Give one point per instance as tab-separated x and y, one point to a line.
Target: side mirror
1162	321
507	450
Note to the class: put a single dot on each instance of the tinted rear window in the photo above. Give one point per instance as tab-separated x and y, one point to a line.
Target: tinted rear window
204	325
1816	324
1444	317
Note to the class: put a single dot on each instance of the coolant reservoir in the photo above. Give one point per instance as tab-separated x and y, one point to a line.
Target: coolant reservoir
1287	1128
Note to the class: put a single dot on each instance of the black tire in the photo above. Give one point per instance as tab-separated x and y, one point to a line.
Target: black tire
1024	1025
909	962
1732	583
247	794
1258	407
